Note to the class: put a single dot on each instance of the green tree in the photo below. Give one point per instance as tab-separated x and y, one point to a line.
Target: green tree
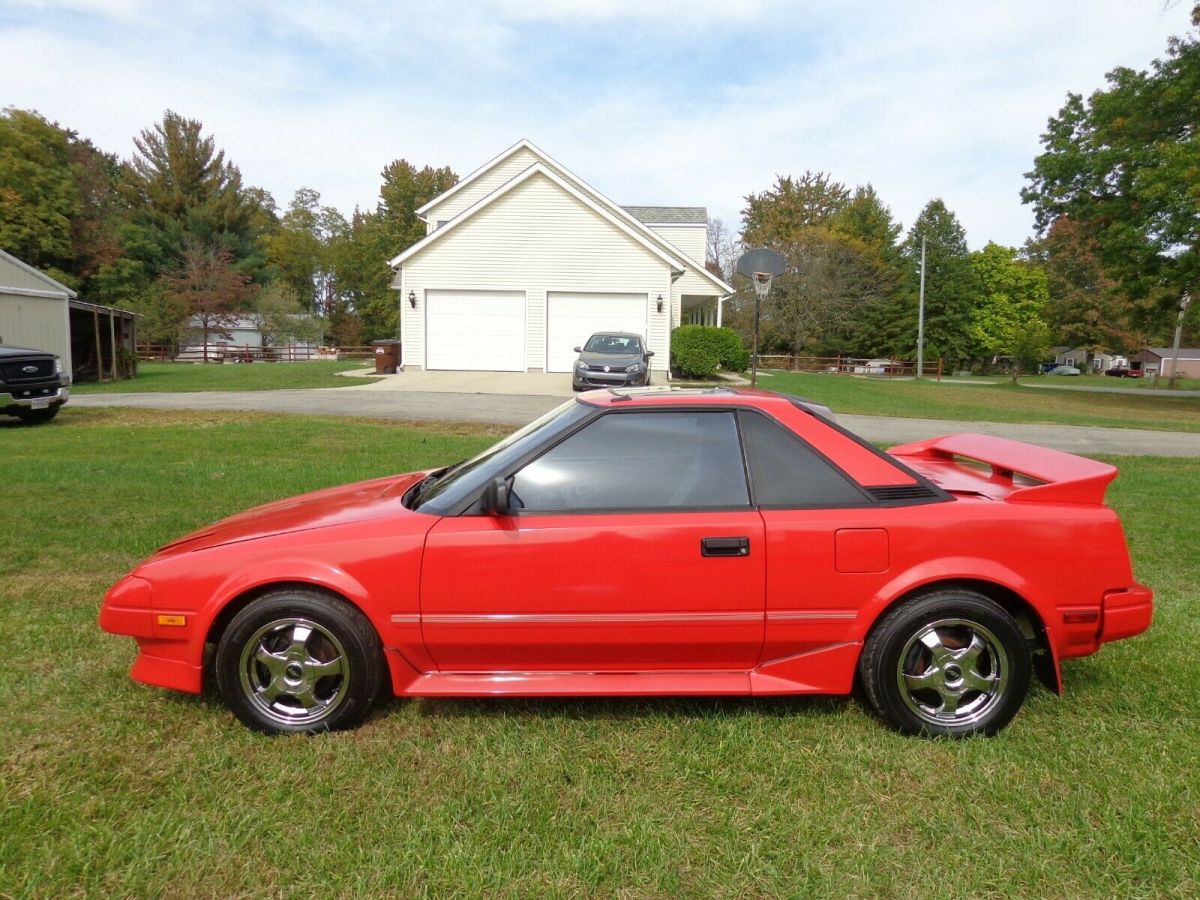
282	318
793	204
301	249
40	197
361	257
1123	165
951	286
1013	295
179	186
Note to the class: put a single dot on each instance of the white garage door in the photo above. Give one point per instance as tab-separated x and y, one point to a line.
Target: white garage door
573	318
483	330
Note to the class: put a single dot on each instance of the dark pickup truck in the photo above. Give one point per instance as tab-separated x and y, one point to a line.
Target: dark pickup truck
33	385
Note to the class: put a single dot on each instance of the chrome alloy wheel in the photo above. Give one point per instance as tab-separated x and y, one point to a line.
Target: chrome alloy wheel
294	671
952	672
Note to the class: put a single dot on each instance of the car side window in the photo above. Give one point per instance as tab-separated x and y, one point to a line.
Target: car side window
663	460
787	474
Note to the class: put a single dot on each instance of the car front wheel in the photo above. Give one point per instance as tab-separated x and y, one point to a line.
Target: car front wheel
299	661
952	662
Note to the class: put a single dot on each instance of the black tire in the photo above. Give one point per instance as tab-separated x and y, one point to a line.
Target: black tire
951	662
299	661
38	416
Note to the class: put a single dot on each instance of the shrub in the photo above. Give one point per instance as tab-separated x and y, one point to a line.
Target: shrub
697	350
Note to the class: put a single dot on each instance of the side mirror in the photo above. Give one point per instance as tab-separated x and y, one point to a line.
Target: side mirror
649	353
578	349
495	498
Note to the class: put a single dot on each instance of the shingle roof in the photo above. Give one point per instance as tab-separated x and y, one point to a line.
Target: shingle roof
1184	352
668	215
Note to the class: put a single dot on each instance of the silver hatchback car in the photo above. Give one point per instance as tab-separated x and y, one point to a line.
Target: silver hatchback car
612	359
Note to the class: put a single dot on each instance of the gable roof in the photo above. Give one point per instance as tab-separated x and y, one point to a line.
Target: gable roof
52	286
668	215
677	265
582	188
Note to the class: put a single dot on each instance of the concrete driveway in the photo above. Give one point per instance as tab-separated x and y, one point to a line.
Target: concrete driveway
377	402
537	384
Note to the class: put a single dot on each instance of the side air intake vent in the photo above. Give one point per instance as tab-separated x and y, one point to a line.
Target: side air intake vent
901	493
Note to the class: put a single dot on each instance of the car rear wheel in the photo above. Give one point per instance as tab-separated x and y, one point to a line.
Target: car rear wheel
952	662
299	661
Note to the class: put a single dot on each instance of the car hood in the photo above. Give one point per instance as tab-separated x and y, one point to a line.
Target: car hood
612	360
319	509
7	352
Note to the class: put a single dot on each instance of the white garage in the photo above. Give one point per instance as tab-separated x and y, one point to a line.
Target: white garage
475	330
522	261
572	317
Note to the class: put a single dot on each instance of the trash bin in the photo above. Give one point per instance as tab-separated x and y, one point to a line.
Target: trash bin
387	357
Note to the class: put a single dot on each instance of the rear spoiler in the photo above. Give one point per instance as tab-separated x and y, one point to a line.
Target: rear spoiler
1062	477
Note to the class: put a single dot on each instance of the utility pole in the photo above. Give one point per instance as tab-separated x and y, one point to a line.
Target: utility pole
1183	306
921	316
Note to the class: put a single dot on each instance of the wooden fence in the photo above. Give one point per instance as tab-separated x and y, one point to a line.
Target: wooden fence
222	353
847	365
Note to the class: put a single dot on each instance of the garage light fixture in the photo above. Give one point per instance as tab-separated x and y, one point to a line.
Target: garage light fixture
412	299
660	302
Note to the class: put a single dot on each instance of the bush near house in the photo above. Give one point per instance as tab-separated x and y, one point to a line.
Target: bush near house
699	350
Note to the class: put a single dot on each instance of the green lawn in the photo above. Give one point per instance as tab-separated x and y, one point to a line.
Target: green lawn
113	788
1001	402
262	376
1104	381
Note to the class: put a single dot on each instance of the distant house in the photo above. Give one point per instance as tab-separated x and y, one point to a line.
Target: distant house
523	260
1157	361
1087	360
241	338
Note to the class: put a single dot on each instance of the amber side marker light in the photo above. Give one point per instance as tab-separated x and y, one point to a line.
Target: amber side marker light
177	621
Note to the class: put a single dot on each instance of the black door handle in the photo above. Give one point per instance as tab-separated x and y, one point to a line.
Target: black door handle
725	546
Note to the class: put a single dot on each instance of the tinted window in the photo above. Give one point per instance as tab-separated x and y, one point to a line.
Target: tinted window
786	473
634	460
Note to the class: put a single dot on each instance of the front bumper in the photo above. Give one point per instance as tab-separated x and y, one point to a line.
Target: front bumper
14	399
598	379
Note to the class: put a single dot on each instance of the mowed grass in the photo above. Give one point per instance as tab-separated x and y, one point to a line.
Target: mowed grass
1107	381
109	787
259	376
1003	402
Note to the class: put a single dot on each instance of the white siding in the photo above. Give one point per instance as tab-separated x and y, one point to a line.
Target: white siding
502	173
38	322
691	239
535	239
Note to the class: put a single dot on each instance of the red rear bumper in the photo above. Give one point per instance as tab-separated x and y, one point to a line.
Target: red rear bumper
1126	612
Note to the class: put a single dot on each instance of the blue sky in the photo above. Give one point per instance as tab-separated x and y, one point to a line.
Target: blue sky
690	102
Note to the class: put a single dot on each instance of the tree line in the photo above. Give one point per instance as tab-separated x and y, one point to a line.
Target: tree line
1116	198
173	233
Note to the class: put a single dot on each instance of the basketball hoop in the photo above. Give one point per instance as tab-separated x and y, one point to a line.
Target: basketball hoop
761	266
762	283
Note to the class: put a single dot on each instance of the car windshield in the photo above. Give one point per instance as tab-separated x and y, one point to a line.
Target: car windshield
445	490
624	344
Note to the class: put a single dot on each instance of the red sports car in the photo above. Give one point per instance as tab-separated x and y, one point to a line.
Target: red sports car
654	541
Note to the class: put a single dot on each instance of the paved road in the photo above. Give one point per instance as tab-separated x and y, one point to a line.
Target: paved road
517	409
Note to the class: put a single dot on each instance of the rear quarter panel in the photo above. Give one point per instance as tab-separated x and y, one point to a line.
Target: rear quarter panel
1056	557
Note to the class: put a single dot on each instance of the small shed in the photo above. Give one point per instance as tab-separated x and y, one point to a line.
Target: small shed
36	311
1157	361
